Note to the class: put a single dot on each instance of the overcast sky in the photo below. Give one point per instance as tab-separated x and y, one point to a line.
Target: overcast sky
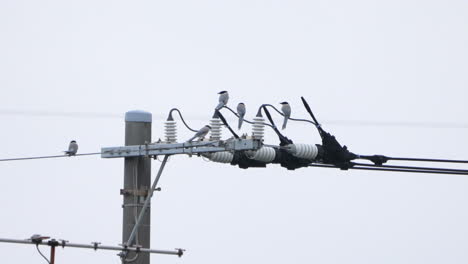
357	62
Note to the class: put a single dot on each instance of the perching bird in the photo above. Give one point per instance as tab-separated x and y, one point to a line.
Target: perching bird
241	113
72	148
286	109
223	99
201	133
36	238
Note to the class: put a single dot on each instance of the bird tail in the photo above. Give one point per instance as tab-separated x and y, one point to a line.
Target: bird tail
285	122
191	139
241	119
220	105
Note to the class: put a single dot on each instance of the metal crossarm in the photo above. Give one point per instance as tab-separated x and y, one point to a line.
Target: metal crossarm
198	147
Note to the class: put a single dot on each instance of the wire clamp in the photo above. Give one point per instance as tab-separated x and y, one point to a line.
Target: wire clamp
95	245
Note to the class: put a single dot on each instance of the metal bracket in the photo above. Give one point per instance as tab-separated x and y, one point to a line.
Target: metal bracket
198	147
134	192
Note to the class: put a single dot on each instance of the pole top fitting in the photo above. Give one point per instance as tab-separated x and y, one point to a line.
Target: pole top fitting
138	116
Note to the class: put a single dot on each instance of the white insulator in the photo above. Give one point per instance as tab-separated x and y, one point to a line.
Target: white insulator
221	157
264	154
258	127
303	151
170	131
215	124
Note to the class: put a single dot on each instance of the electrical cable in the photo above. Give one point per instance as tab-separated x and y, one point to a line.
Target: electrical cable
247	121
218	114
428	160
376	168
331	122
410	167
290	118
50	157
38	250
170	118
283	140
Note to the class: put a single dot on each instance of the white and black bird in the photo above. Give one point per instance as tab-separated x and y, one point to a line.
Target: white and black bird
201	133
223	99
241	113
286	109
72	148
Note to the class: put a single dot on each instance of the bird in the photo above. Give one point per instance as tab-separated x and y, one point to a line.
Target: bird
36	238
241	113
201	133
286	109
223	99
72	148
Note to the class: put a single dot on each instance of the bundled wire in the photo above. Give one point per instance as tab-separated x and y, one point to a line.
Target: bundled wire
408	169
337	156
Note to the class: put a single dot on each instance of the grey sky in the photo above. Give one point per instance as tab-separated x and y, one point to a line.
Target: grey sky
389	61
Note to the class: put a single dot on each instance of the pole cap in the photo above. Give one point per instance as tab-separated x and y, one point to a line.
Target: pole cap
138	116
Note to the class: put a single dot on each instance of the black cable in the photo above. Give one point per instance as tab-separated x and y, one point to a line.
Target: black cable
218	114
50	157
428	160
410	167
290	118
283	140
170	118
247	121
37	246
388	169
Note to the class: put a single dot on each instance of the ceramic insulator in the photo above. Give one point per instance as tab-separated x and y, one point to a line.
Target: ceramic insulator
264	154
170	131
215	124
303	151
258	128
221	157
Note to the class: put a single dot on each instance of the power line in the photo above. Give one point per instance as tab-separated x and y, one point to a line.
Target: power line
371	123
376	168
50	157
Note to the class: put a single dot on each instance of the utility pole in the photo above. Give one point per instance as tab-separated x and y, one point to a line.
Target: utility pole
137	182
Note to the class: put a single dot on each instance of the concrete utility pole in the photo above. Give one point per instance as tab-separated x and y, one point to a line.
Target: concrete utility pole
137	182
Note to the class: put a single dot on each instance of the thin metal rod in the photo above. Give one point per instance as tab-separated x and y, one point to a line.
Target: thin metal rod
147	201
52	254
96	247
50	157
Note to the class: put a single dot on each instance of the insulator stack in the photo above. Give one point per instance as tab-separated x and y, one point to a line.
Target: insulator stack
303	151
221	157
215	124
264	154
170	131
258	127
